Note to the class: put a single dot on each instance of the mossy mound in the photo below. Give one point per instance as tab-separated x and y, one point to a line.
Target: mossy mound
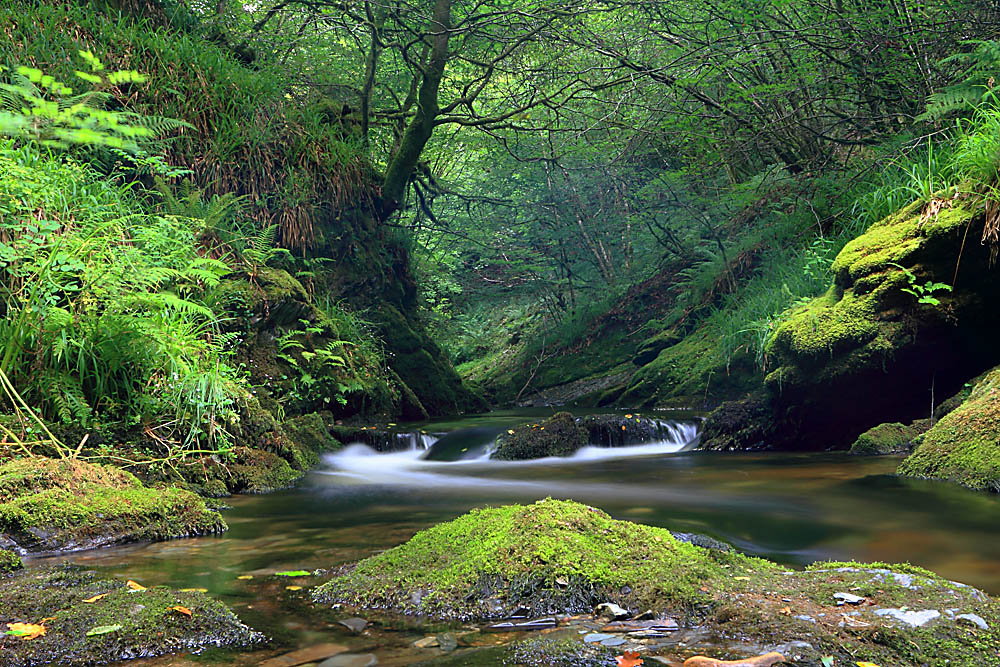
147	626
888	438
964	446
54	505
9	561
559	435
547	557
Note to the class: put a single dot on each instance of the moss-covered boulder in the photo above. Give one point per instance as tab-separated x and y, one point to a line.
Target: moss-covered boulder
556	556
869	351
964	446
559	435
54	505
136	623
547	557
888	438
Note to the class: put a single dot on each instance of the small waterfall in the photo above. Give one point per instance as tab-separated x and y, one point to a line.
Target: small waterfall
383	439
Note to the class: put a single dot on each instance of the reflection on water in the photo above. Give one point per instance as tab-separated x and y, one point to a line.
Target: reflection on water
792	508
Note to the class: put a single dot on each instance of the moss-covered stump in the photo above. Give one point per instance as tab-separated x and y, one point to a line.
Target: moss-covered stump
143	623
547	557
964	446
559	435
54	505
9	561
889	438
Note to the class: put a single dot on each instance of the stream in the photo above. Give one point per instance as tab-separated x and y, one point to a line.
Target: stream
791	508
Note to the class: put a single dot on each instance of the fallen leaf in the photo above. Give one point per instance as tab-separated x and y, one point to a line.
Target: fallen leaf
180	610
867	664
46	620
293	588
244	577
103	629
826	661
787	611
293	573
630	659
25	630
623	427
510	431
628	416
96	598
194	590
134	585
741	578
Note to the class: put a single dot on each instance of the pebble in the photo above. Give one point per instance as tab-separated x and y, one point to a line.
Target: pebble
426	642
914	618
597	637
975	619
611	610
355	625
614	641
848	598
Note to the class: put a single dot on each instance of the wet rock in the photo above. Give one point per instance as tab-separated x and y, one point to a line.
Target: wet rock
447	642
652	626
595	637
351	660
910	617
305	655
611	611
975	619
888	439
559	435
703	541
848	598
623	430
355	625
766	660
614	641
426	642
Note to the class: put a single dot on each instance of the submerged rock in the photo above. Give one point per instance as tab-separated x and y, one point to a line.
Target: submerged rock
559	435
964	446
145	625
55	505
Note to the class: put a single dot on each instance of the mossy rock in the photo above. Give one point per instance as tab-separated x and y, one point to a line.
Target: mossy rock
9	561
311	435
742	425
888	439
260	471
54	505
556	556
964	446
550	556
146	626
559	435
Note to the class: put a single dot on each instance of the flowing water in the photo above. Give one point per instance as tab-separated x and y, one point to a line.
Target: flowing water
792	508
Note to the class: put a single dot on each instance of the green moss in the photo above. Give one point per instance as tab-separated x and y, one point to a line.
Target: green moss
148	627
9	561
48	505
964	446
259	471
547	556
886	439
311	435
559	435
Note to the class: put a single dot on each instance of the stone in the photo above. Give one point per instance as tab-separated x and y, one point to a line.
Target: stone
848	598
305	655
914	618
975	619
355	625
597	637
611	611
447	642
766	660
351	660
614	641
426	642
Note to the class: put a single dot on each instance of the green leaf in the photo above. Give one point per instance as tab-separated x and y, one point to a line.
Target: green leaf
104	629
293	573
826	661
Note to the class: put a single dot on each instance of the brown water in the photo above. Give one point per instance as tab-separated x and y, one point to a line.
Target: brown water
791	508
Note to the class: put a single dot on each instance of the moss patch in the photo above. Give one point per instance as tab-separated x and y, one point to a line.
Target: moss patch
9	561
964	446
559	435
50	505
148	627
888	438
550	556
